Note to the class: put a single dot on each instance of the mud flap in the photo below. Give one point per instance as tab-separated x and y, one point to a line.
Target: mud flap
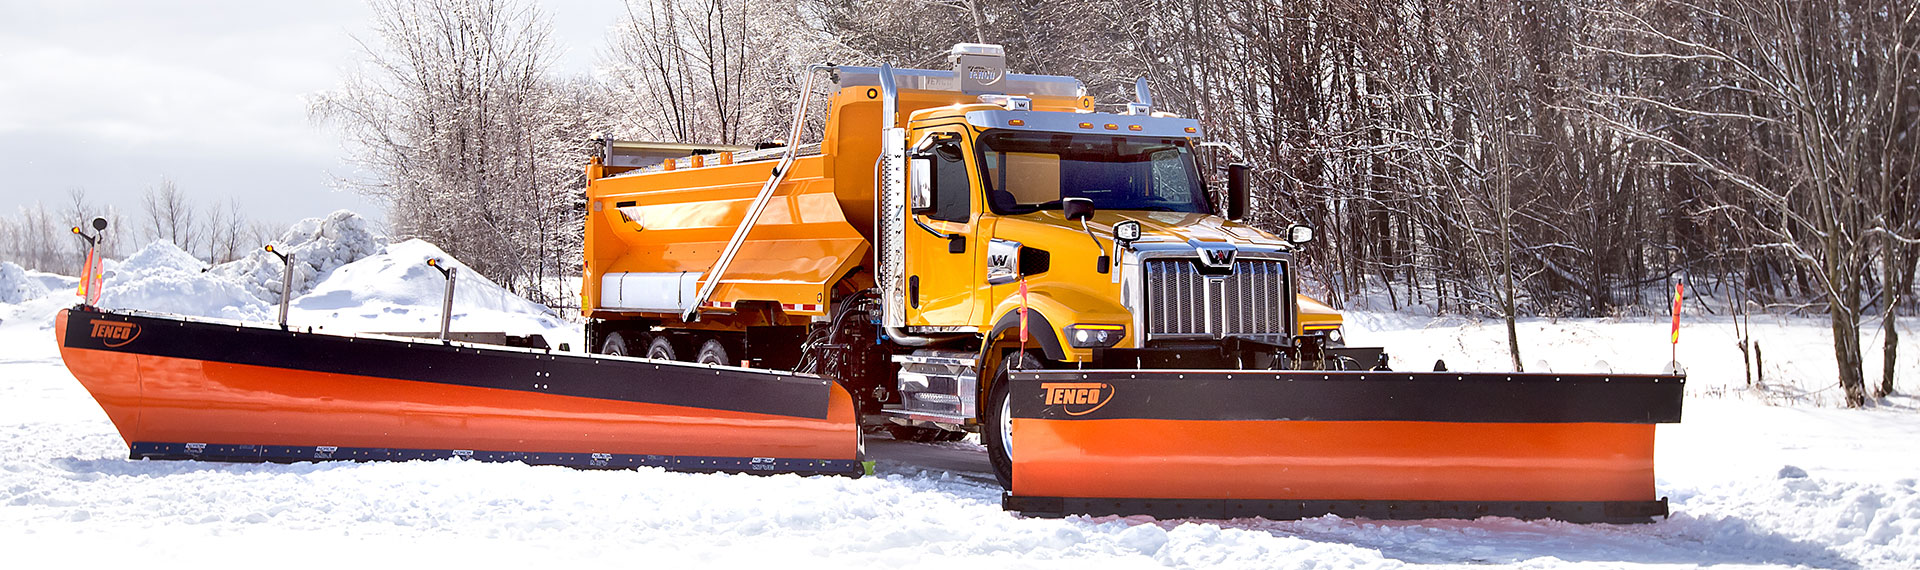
1294	444
186	389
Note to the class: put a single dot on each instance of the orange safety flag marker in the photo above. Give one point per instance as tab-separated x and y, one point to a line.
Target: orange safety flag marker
1678	290
1023	311
1673	356
86	275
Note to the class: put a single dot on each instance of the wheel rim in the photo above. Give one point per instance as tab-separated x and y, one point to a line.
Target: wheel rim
1006	426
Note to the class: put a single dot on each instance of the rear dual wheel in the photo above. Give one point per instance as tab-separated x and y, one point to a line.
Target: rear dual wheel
667	347
664	348
618	343
713	352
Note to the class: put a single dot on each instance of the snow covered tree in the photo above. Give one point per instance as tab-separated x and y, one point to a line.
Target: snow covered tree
455	116
708	71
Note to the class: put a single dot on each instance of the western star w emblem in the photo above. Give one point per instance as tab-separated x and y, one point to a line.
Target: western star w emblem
1077	398
115	333
1216	255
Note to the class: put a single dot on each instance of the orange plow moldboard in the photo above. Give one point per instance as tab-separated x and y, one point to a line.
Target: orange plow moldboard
1293	444
182	389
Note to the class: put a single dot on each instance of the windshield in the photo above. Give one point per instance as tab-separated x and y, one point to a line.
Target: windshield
1032	171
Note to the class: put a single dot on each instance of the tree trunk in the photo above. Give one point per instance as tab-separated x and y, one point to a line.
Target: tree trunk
1846	345
1890	299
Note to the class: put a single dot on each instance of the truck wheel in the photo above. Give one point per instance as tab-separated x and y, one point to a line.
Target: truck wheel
618	343
713	352
662	348
997	432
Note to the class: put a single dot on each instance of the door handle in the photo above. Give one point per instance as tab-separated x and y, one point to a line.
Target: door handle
956	243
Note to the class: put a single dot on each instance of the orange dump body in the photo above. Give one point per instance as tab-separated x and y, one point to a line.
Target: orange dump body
183	389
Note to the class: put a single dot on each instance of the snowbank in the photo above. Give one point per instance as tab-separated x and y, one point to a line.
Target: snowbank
346	279
395	291
16	286
318	246
162	278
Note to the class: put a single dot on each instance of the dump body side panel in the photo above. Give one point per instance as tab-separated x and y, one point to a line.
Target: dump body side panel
680	221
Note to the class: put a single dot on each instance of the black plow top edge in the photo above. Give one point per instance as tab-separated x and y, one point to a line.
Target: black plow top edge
607	378
1455	397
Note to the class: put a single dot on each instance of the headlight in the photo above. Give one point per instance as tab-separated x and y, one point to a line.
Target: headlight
1336	337
1299	234
1127	231
1095	336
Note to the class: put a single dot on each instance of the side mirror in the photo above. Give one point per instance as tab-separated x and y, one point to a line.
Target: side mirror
1237	191
1077	208
921	186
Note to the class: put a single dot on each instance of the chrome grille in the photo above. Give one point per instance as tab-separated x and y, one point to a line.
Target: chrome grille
1252	301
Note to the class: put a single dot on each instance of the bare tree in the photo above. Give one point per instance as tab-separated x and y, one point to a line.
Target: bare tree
707	71
1826	78
167	215
453	114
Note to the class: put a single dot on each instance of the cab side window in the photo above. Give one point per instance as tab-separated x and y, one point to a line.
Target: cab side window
952	193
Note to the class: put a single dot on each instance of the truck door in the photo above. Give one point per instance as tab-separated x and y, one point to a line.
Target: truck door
941	249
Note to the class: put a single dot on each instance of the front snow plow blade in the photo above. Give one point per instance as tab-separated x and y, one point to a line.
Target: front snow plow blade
1297	444
184	389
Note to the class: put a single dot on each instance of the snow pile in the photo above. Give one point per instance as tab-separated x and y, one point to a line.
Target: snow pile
318	246
162	278
55	283
346	279
18	287
395	291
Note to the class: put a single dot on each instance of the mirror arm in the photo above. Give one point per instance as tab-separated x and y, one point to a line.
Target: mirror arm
1100	265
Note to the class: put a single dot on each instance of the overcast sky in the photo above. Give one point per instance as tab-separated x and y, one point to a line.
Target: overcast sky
111	96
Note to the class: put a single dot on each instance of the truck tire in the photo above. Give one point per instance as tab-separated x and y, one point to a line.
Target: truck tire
996	432
618	343
663	348
713	352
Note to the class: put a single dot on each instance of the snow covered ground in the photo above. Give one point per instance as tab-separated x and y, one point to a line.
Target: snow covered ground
1753	483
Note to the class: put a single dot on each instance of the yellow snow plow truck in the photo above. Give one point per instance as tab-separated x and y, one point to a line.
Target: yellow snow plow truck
969	249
